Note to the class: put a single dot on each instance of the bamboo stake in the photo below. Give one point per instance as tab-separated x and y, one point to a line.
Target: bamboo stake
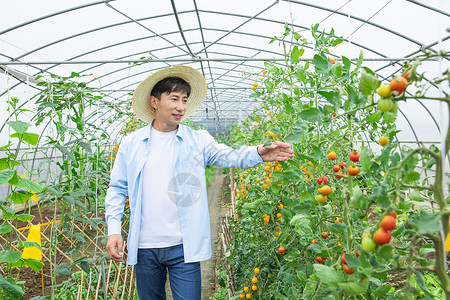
89	285
89	290
109	272
98	282
131	281
81	287
116	285
124	282
118	276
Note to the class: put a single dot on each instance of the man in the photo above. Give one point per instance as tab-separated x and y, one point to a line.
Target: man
161	169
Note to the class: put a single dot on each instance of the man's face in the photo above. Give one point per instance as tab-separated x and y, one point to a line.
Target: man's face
171	108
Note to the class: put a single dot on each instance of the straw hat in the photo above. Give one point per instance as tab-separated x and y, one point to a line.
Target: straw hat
141	96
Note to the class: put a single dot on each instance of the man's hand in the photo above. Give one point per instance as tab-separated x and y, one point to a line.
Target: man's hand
277	151
115	241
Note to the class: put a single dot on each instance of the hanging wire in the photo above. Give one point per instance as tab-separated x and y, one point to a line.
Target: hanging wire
364	23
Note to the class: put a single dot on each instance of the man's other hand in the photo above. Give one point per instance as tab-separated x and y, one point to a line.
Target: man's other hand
114	247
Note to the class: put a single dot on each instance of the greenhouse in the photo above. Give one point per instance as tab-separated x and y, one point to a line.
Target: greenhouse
275	149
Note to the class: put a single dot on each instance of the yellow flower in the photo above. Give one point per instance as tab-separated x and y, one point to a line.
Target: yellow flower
34	197
33	236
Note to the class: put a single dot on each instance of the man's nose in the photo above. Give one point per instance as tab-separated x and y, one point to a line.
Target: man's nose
181	106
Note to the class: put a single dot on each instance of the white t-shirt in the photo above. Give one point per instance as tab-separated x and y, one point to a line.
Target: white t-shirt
160	226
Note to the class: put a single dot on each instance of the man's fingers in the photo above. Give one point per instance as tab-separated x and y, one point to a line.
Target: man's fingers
120	247
114	247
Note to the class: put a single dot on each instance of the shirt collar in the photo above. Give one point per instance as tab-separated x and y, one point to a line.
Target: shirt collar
181	132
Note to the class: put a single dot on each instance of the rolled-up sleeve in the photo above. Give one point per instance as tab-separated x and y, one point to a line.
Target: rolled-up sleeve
117	191
221	155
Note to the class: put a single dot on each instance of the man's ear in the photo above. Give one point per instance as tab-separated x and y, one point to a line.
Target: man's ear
153	102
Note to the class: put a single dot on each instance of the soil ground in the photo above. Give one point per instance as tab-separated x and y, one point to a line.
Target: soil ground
33	280
218	202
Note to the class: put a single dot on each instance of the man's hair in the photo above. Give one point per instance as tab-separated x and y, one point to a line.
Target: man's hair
169	85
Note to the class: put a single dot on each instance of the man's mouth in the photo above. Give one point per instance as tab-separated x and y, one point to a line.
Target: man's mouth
178	116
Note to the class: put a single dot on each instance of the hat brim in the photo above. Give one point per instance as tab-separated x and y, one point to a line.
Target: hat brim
141	96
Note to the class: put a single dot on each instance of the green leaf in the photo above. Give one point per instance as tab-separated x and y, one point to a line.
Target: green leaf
426	222
10	257
357	197
301	223
65	151
9	291
365	159
415	196
314	247
24	217
382	290
86	147
375	117
271	68
300	74
310	114
352	261
380	195
336	42
30	244
8	212
55	192
337	70
412	176
321	63
5	228
252	205
421	282
353	95
295	54
20	197
84	265
384	157
354	288
328	275
368	82
30	138
35	264
298	133
29	185
359	60
19	126
269	85
389	117
310	287
73	201
333	97
386	252
347	64
6	163
6	176
63	270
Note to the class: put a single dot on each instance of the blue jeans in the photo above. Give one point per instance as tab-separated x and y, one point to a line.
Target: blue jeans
151	270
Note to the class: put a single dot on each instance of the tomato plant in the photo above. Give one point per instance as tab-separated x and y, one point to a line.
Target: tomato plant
357	205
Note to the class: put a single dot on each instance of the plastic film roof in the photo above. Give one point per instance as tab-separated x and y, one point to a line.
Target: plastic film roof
225	40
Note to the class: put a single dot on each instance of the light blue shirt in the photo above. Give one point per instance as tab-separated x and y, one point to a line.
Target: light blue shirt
193	151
